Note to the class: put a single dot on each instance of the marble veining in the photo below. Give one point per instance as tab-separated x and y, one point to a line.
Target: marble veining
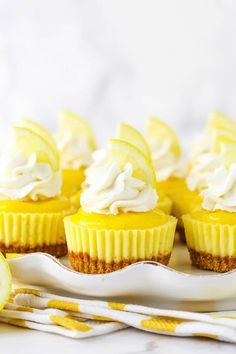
117	60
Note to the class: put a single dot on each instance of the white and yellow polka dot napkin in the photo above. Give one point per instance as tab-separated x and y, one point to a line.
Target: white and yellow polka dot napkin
76	318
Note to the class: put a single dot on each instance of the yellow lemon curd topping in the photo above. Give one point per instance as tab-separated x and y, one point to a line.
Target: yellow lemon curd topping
172	184
71	181
75	199
126	221
46	206
215	217
161	195
187	196
184	203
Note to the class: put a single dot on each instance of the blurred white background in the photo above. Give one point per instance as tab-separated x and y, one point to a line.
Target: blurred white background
114	60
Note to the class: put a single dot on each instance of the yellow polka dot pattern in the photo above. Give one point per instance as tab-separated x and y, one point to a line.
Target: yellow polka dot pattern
206	335
17	322
165	324
24	308
116	306
77	318
101	318
70	323
28	291
63	305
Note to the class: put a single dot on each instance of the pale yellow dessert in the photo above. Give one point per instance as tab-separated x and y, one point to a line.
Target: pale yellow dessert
131	135
205	157
211	231
31	208
204	154
128	133
168	163
119	223
76	142
165	152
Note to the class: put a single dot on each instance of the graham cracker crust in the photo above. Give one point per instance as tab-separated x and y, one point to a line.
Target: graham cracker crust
207	261
82	262
57	250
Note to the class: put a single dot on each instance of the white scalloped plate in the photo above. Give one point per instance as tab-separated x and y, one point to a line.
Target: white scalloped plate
178	285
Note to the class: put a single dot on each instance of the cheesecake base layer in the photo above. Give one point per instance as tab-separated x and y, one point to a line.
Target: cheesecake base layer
57	250
207	261
83	263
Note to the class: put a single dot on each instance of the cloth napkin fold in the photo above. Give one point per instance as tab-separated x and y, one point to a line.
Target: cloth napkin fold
77	318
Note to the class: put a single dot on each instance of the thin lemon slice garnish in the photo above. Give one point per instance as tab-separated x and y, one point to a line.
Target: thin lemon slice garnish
128	133
158	130
75	124
40	130
228	153
28	142
221	121
5	281
123	152
221	137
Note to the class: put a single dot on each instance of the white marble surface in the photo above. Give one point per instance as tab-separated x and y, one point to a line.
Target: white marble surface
117	59
128	341
112	60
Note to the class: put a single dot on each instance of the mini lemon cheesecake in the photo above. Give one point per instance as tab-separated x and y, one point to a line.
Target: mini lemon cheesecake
31	208
76	143
204	153
211	231
131	135
204	158
118	222
168	162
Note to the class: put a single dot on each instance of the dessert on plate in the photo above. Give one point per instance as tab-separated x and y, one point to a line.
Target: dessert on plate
204	154
76	142
166	154
168	162
204	158
128	133
31	208
118	222
211	231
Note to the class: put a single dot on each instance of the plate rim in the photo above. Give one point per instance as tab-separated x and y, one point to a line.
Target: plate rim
122	270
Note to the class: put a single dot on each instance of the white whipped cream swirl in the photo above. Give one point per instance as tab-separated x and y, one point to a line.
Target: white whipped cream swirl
201	145
221	191
27	179
165	163
75	151
112	190
203	165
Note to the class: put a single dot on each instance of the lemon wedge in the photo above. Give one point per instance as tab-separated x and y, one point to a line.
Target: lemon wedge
221	137
5	281
40	130
75	124
28	142
228	152
158	130
221	121
224	143
123	152
128	133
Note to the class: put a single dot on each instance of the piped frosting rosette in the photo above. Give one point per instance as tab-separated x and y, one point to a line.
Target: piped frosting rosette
76	143
205	154
165	150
